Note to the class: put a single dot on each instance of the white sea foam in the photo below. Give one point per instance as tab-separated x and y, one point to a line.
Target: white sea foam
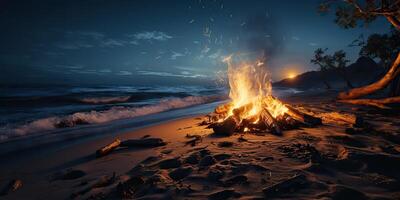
97	117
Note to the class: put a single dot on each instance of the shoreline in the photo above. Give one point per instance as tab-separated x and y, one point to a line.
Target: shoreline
85	132
328	161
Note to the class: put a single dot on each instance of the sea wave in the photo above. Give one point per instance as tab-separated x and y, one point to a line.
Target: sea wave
103	100
97	117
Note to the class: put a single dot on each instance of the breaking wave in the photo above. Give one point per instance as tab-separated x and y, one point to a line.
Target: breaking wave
97	117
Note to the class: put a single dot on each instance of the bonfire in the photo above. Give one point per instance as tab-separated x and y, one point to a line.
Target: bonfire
252	107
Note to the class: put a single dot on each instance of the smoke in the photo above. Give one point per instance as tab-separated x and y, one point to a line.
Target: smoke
262	35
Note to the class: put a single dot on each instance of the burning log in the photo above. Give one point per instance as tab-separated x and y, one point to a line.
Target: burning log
108	148
226	127
270	121
223	109
302	117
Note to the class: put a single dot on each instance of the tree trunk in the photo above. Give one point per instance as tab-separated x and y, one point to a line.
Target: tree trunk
395	87
380	103
382	83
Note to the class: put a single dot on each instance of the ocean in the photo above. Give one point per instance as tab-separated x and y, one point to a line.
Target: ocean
33	110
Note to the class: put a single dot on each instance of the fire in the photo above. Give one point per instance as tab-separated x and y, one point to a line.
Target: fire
252	107
251	91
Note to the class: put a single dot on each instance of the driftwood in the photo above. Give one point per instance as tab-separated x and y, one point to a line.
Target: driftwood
12	187
302	117
380	103
270	121
108	148
142	143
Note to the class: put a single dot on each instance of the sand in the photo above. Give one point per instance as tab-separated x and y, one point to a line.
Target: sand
331	161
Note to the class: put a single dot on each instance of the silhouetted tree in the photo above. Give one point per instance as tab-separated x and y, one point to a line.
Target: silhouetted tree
336	62
321	60
349	13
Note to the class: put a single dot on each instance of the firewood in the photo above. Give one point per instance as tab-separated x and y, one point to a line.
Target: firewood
226	127
270	121
239	111
108	148
224	108
302	117
145	143
11	187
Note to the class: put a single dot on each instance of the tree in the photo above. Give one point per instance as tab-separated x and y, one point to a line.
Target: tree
349	13
321	60
336	62
383	47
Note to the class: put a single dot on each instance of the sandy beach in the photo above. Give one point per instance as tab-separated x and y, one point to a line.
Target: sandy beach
331	161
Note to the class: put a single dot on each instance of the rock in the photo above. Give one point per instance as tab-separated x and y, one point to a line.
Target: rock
169	163
225	144
207	161
180	173
224	194
215	174
237	180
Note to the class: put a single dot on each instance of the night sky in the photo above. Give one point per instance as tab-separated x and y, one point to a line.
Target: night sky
53	42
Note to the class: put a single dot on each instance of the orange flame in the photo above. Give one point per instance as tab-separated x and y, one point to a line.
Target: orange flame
251	90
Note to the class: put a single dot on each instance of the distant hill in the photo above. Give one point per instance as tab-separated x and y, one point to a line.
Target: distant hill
363	71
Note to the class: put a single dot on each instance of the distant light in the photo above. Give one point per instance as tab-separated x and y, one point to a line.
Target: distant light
291	75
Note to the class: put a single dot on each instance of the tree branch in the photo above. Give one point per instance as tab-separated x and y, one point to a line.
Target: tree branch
380	103
394	21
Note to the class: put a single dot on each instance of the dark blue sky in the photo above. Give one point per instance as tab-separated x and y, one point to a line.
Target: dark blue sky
161	42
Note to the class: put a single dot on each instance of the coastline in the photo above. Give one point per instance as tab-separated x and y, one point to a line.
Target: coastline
328	160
